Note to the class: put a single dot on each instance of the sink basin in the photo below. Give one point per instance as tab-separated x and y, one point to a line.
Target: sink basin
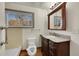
49	36
55	39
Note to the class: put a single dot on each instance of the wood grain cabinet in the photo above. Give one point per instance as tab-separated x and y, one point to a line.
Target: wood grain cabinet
59	49
45	47
50	48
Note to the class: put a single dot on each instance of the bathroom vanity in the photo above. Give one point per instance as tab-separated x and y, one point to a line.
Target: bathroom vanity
55	46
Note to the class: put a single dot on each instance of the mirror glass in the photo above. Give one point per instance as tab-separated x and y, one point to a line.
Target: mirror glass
56	20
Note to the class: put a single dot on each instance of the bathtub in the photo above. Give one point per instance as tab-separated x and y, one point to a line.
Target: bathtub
11	52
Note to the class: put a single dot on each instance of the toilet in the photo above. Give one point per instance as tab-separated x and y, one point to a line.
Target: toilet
31	50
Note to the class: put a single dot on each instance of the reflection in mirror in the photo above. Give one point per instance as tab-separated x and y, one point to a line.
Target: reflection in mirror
56	20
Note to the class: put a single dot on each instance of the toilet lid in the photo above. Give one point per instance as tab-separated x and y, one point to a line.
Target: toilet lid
32	49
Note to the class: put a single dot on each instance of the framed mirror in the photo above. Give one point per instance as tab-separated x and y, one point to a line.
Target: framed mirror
57	18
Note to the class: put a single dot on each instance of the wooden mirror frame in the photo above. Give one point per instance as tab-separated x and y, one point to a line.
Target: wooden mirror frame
63	8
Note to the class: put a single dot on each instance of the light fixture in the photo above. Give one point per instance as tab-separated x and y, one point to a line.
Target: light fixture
54	4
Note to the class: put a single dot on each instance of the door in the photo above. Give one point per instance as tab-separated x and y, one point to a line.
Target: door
14	38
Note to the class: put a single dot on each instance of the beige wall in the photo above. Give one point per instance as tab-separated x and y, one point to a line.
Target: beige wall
2	14
73	17
73	26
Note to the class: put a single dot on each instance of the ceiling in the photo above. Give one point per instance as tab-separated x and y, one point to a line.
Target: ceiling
44	5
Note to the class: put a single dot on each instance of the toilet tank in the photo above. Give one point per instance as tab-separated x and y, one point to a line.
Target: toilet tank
31	40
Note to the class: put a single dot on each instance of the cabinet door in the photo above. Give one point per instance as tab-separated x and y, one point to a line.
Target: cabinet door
63	49
45	44
52	49
58	49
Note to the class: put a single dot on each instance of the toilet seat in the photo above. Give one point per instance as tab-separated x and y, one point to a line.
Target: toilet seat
31	50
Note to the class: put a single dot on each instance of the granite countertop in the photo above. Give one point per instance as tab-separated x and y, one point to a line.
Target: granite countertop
56	39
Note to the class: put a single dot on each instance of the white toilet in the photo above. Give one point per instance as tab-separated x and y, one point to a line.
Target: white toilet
31	50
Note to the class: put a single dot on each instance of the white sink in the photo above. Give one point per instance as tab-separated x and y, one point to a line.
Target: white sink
49	36
55	39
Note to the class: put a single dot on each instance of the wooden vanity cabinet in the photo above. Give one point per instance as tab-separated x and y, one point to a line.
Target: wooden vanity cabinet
59	49
50	48
45	46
